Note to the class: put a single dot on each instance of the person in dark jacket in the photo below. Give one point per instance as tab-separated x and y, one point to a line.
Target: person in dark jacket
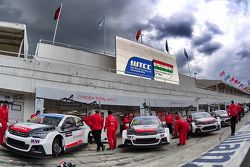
96	127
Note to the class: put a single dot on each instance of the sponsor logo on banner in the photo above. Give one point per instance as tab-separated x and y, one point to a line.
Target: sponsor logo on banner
140	67
150	69
163	70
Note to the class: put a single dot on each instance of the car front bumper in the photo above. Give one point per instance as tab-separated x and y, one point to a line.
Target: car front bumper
145	141
27	145
206	128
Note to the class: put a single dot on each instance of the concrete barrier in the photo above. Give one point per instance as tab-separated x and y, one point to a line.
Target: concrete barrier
230	153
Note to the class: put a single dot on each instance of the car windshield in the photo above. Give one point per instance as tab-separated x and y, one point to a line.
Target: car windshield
201	115
220	112
145	121
47	120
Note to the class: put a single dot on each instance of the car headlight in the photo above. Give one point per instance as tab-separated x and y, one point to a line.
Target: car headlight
39	134
161	130
130	132
197	122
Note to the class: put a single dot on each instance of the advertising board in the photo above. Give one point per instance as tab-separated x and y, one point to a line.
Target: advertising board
135	59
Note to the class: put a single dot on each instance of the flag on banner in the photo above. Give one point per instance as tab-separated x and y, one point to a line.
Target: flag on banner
57	13
222	73
227	77
138	34
185	53
100	23
167	46
236	81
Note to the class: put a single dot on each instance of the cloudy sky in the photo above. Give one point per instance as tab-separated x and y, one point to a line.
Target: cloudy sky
215	33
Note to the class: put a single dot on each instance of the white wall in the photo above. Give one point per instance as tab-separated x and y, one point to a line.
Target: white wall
52	53
26	76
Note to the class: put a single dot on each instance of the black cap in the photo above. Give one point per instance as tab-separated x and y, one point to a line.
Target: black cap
109	112
97	111
232	101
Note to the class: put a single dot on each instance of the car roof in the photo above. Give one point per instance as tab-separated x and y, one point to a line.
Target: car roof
53	115
146	117
199	113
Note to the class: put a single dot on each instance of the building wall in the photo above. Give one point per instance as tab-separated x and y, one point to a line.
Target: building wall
23	75
57	54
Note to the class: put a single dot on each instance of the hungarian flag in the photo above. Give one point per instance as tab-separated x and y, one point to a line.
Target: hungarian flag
162	70
57	13
138	34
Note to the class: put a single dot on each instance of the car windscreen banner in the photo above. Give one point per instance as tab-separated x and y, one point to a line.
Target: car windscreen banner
135	59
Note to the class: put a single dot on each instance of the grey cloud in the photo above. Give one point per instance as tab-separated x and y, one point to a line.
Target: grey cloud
209	48
204	38
177	25
78	22
243	50
213	28
181	59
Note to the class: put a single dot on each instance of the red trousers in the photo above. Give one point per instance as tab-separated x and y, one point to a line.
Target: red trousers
183	135
2	131
111	134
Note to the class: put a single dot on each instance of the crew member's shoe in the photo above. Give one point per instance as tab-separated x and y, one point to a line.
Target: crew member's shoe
98	149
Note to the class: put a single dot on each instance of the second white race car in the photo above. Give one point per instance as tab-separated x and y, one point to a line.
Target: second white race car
47	134
145	131
202	122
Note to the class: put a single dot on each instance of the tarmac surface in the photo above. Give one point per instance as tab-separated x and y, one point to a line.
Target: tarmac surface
169	155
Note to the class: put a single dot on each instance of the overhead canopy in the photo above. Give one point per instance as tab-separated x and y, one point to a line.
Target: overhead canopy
13	38
220	86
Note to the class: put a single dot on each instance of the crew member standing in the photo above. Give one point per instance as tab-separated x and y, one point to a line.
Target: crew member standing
182	126
233	112
4	119
96	127
169	122
111	125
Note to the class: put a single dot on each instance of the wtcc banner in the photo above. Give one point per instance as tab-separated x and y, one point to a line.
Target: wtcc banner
136	59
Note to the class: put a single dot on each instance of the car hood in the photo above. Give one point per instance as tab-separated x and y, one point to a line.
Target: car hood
145	128
27	127
207	119
224	115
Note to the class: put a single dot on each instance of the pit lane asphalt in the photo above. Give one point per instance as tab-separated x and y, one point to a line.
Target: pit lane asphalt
170	155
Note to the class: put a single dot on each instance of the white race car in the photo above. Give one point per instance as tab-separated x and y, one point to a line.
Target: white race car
145	131
47	134
202	122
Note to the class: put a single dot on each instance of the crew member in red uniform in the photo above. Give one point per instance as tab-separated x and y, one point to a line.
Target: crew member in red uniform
182	126
4	119
169	121
96	127
33	115
239	112
233	112
126	121
111	125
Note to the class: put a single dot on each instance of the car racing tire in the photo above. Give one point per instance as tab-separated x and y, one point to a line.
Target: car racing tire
56	146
